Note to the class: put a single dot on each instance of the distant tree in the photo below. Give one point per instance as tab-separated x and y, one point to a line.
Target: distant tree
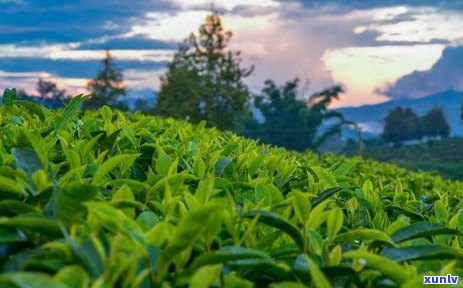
351	147
204	81
108	86
319	113
141	105
49	89
434	123
290	122
401	125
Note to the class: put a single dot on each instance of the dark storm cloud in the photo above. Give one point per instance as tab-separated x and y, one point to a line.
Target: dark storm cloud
445	74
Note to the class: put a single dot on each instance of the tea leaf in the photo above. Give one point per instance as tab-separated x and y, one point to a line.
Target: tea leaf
276	221
30	280
386	266
421	229
334	223
325	195
120	160
366	235
421	252
9	96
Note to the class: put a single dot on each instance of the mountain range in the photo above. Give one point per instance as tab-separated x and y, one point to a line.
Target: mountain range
370	117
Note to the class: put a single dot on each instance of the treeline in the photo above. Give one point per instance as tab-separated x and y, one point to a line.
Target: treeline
205	82
403	124
106	88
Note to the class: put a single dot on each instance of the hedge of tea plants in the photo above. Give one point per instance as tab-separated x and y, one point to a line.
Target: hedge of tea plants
112	199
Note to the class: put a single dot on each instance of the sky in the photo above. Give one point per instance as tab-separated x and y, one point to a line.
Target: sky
377	49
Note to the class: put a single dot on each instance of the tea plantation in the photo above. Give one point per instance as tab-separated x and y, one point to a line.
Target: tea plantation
107	199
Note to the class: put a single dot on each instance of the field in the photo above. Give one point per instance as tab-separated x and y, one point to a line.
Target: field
443	157
111	199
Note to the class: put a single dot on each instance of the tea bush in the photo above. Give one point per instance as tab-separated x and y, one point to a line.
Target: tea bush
107	199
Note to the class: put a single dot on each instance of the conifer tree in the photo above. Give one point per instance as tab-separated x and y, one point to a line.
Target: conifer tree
204	81
107	87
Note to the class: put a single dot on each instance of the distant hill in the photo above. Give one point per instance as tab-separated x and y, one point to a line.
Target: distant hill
370	116
133	95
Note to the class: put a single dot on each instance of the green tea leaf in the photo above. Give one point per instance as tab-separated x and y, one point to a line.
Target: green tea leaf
334	223
386	266
30	280
318	278
69	201
70	111
163	164
124	160
325	195
301	206
44	226
276	221
205	276
192	226
73	276
27	160
227	254
421	252
421	229
8	185
33	108
364	235
117	221
221	164
9	96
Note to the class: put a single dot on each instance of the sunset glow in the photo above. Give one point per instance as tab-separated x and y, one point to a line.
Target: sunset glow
366	47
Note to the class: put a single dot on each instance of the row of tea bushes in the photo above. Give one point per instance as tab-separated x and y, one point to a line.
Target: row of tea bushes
106	199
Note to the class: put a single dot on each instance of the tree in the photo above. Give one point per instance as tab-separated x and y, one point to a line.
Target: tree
49	89
204	81
290	122
401	125
107	86
50	95
434	123
141	105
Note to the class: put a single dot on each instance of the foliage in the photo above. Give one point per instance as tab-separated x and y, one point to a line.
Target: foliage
401	124
442	157
434	123
106	199
204	81
50	95
48	89
289	121
108	86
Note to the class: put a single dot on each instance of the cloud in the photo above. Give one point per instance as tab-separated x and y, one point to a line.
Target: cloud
225	4
346	5
367	69
133	43
283	38
67	52
445	74
420	26
71	21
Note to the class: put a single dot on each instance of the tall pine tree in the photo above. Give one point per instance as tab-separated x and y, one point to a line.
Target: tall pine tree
204	81
107	86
